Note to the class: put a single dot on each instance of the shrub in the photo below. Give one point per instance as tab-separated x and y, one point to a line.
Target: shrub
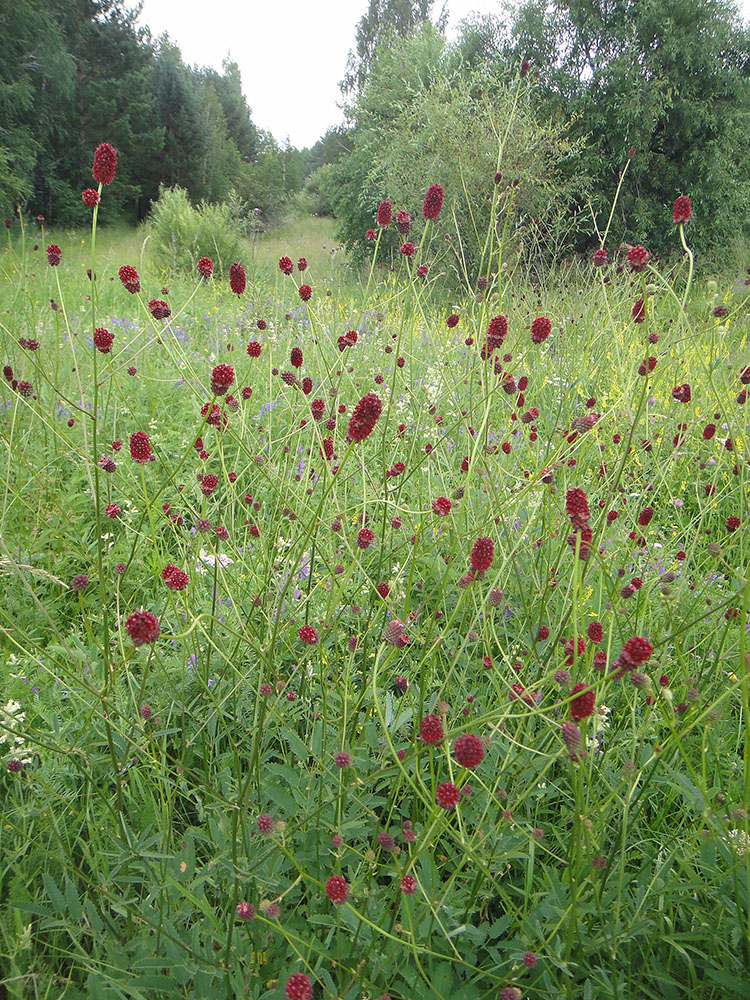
181	233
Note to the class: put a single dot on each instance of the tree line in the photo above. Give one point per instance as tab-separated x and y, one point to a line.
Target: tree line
77	72
664	82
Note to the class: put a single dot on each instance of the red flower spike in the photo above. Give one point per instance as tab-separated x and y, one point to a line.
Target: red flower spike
237	279
385	214
337	890
468	751
364	417
129	278
431	729
582	706
105	163
681	210
433	202
143	627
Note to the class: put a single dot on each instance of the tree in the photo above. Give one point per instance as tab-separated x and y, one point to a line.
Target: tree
384	20
670	79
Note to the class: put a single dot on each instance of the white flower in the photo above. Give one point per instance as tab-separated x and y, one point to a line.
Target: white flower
206	560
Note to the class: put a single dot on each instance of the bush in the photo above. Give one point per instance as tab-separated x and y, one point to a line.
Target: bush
446	127
182	233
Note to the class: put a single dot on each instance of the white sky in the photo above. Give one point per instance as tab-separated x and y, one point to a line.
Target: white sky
291	53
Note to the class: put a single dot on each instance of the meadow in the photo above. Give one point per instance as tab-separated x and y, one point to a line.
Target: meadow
367	637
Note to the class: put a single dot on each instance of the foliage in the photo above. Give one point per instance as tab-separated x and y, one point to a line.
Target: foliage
89	74
423	118
671	80
382	23
181	233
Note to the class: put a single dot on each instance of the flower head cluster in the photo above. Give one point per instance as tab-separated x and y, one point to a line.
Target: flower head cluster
237	279
140	447
638	258
174	578
364	417
129	278
635	652
540	329
143	627
577	506
581	706
105	163
394	634
159	309
681	210
385	214
433	202
482	554
468	751
103	340
222	377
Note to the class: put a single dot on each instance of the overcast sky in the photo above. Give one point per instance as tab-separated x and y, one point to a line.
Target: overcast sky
291	53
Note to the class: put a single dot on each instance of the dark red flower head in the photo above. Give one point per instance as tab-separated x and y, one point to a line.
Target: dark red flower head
103	340
682	393
302	264
524	68
497	332
222	377
105	163
681	210
385	214
600	257
636	650
638	258
286	265
582	706
205	267
408	249
577	506
431	729
448	795
364	417
54	255
337	890
482	554
298	987
540	329
159	309
129	278
305	293
174	578
452	321
140	447
371	235
433	202
90	198
143	627
237	280
403	222
308	635
468	751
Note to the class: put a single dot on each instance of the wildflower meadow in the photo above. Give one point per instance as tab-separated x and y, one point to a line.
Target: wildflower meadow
371	634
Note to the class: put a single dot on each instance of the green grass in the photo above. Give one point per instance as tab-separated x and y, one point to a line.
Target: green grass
130	835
